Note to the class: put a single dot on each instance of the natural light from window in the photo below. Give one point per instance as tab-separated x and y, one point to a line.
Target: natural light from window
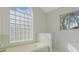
21	24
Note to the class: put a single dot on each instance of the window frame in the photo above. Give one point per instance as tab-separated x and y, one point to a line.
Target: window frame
23	30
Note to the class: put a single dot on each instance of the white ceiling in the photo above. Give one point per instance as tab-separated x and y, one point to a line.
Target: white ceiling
48	9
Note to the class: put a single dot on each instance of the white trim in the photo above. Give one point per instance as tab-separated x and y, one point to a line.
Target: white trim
20	41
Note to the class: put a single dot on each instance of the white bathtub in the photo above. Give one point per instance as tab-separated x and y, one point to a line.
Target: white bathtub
36	47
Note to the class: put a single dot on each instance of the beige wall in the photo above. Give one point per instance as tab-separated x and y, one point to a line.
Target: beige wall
64	40
39	20
39	25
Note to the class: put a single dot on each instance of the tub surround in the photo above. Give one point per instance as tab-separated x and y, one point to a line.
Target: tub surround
35	47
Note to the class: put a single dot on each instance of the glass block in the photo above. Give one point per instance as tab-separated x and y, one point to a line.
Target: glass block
22	22
18	26
25	15
18	13
17	18
12	21
22	15
12	16
12	12
22	19
22	26
18	21
12	25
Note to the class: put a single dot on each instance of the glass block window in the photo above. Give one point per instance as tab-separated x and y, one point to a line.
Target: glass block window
21	24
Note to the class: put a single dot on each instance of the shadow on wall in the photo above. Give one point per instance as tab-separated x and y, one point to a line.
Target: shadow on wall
71	48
